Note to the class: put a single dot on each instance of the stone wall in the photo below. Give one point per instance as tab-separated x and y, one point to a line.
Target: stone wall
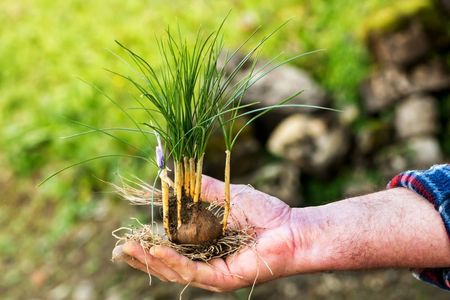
402	121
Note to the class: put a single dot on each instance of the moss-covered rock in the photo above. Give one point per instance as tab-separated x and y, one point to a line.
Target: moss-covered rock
393	17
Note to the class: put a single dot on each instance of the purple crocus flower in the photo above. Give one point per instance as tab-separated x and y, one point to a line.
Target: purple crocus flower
159	154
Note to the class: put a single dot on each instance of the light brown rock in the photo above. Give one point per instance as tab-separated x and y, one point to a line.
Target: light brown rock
417	115
308	142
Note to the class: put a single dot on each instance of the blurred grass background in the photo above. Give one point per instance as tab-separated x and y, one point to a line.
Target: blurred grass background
48	46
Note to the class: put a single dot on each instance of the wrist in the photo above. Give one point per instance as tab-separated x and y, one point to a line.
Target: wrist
328	237
356	233
351	234
309	239
394	228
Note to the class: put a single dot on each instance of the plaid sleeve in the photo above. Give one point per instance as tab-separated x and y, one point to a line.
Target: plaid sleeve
434	185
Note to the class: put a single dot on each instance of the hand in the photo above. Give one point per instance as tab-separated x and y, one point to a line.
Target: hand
393	228
270	258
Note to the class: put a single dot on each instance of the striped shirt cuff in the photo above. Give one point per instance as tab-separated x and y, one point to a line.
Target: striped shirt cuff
434	185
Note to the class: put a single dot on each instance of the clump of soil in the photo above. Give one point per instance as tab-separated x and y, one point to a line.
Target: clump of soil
202	227
199	225
200	236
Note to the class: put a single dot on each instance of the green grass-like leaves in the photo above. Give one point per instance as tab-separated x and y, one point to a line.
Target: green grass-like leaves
192	93
185	91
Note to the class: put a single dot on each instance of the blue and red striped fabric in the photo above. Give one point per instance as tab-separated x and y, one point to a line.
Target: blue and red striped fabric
434	185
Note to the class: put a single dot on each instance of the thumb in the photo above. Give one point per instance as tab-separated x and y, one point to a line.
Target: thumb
213	190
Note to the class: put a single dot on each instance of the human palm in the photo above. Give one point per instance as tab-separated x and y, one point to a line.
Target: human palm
268	259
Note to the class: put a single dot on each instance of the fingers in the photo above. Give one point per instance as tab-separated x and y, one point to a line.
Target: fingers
149	263
168	265
134	263
184	267
198	274
119	255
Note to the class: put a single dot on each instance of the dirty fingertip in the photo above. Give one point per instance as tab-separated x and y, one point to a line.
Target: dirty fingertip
157	251
130	248
117	254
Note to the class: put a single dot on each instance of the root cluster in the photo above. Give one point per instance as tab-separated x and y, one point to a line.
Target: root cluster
140	193
230	243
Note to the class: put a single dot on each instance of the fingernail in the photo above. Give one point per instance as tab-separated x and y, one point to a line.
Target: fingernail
152	251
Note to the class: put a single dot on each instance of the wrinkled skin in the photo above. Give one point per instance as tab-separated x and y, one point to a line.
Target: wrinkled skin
274	245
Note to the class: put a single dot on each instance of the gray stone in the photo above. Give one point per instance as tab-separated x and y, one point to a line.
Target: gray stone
281	180
245	155
284	82
228	62
372	136
425	151
384	88
309	142
349	114
419	152
391	161
430	77
415	116
402	47
278	84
